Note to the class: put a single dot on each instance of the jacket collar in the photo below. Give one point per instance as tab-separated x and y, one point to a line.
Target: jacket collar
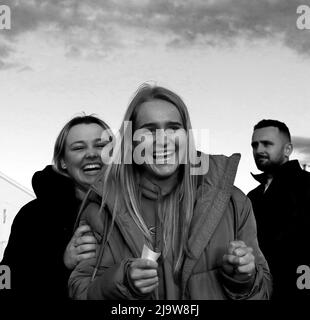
287	169
213	197
155	189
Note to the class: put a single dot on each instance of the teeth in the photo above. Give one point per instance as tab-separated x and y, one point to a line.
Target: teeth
92	166
164	157
164	154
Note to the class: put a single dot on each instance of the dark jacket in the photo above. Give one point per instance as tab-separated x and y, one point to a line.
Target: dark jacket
39	235
222	213
283	223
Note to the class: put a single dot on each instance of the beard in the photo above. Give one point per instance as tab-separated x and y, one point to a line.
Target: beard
266	165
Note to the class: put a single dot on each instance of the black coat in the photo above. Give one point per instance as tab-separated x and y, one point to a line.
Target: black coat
283	224
40	233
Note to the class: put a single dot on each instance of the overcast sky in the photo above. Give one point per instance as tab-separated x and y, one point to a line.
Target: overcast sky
233	62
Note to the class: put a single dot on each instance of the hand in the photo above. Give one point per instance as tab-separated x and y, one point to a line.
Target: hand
80	247
239	261
143	275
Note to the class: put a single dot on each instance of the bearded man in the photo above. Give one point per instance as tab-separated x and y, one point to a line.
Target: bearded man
281	206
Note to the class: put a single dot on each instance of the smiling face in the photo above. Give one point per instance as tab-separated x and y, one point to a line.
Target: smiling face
160	125
82	156
270	148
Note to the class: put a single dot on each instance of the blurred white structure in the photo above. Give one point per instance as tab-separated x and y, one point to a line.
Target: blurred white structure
306	167
12	197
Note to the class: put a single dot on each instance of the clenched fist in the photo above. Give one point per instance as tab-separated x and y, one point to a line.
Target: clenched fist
239	262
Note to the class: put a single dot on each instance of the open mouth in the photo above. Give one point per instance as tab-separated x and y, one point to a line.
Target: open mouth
163	156
92	168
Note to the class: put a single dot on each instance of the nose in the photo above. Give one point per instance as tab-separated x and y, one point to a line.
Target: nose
260	148
92	153
161	139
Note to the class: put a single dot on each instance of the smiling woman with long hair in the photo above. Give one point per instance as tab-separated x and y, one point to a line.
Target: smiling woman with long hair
42	251
159	195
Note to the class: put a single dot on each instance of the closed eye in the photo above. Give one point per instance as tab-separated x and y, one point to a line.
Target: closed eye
101	145
78	148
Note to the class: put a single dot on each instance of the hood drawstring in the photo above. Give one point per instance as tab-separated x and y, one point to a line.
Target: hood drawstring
77	220
158	230
104	234
236	219
158	222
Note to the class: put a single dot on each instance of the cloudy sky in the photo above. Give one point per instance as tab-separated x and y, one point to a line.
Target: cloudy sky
233	62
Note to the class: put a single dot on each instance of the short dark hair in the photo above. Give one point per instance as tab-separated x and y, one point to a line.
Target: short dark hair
274	123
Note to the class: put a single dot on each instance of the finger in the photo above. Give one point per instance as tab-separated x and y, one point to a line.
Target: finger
234	245
144	264
137	274
231	259
85	256
81	229
84	240
248	258
240	252
145	282
248	268
85	248
149	289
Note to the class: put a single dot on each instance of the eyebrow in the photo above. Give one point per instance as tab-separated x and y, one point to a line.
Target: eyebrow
154	124
261	141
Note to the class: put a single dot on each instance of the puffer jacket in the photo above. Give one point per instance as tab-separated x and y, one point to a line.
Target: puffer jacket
39	235
222	213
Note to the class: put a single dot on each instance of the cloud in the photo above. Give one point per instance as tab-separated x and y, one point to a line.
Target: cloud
25	69
5	53
5	49
100	26
302	146
4	65
224	22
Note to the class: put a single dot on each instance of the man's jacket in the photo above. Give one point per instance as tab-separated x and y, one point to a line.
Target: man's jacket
282	213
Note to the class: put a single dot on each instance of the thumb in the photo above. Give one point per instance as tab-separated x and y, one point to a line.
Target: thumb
81	230
233	245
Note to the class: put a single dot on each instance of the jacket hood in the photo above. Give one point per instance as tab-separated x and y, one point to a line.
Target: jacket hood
49	184
222	170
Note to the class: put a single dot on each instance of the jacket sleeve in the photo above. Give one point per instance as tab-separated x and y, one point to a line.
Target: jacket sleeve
108	284
17	251
259	286
110	281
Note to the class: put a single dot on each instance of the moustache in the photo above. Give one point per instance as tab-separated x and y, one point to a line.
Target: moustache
259	157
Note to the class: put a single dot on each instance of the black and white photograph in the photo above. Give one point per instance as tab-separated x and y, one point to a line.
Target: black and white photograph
154	151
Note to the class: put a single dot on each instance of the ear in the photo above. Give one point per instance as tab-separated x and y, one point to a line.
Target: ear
63	165
288	149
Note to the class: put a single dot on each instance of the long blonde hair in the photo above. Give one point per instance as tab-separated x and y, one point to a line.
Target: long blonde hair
178	211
